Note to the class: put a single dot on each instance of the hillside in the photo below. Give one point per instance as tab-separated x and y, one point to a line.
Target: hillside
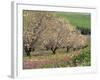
77	19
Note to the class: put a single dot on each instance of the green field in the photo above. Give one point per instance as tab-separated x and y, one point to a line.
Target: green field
77	19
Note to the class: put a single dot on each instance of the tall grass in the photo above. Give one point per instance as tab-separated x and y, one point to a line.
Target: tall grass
72	59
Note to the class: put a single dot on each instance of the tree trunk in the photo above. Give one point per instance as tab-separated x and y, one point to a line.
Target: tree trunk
54	50
68	48
27	50
28	54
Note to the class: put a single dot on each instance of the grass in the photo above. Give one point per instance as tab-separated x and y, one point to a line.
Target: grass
71	59
48	61
83	59
77	19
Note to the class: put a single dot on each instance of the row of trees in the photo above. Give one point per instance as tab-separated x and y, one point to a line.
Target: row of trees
84	30
50	32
